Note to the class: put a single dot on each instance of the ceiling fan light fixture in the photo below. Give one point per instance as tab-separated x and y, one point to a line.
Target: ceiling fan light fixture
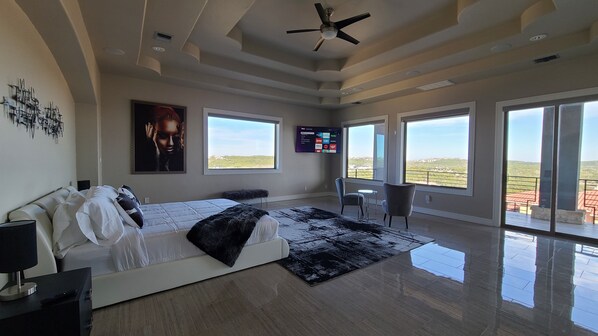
328	33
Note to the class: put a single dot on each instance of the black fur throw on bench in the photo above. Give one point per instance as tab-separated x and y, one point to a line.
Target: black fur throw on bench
245	194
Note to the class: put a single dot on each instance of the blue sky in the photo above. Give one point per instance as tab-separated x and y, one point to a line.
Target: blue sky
444	138
239	137
438	138
525	134
361	141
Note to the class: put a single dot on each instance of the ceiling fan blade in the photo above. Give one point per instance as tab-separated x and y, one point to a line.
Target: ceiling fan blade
346	37
322	13
320	41
343	23
301	31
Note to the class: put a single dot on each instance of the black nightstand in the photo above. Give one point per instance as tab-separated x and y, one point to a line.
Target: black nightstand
70	316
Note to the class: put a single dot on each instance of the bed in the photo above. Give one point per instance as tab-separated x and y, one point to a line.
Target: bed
172	260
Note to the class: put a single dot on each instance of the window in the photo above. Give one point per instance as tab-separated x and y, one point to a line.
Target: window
237	142
437	148
365	146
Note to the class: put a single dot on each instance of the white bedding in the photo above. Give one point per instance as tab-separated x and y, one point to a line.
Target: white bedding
164	236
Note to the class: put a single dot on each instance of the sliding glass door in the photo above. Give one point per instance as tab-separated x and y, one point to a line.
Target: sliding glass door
550	180
528	167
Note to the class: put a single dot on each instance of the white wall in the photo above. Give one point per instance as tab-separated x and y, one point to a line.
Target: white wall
30	168
539	80
302	173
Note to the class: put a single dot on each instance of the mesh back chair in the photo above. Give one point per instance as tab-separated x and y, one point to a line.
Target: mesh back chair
348	199
399	201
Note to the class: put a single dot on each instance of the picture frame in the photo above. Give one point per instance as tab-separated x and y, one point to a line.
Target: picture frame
158	138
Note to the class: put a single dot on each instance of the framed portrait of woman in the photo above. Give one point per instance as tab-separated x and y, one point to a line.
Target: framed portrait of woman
158	138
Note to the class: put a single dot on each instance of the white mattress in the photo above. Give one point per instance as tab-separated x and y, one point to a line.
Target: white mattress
164	231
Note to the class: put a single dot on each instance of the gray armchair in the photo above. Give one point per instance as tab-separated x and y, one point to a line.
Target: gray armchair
399	201
348	199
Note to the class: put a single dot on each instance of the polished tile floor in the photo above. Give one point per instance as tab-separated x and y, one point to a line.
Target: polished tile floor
472	280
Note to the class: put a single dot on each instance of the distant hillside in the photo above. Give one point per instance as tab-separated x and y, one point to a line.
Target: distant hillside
252	161
589	169
439	164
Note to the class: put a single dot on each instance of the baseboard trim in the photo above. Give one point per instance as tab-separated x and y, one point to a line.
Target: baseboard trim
426	211
289	197
457	216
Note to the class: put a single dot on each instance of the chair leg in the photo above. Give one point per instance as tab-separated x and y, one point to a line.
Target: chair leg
342	208
361	207
384	220
406	223
389	221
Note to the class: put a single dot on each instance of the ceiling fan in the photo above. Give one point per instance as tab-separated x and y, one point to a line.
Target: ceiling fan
329	29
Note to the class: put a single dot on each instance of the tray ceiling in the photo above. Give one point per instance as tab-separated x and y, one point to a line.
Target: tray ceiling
241	46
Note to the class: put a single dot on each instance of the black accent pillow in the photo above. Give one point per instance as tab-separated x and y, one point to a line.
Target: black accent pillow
124	186
129	210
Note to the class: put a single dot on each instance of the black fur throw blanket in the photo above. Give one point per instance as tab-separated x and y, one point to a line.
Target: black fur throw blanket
223	235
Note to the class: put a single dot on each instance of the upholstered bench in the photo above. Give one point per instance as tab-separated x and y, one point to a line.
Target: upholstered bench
246	194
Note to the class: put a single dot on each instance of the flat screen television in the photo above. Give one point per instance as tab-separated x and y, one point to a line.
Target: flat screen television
318	139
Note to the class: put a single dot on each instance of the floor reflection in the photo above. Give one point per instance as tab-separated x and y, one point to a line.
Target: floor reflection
473	280
548	285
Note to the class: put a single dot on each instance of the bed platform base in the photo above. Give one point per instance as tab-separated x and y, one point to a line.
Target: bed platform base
121	286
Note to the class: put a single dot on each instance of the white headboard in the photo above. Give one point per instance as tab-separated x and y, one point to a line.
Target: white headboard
41	210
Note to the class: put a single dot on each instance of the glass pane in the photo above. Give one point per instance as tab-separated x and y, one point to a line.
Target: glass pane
577	189
240	144
365	152
529	147
436	151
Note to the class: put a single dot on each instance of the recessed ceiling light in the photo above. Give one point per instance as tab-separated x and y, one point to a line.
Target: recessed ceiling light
538	37
412	73
114	51
158	49
501	47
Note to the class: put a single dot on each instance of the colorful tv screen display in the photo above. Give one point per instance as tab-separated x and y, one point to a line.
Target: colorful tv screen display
318	139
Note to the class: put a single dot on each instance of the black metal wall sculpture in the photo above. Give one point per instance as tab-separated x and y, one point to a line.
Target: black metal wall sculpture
22	108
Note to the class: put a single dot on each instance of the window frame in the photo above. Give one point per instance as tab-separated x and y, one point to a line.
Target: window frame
436	113
277	121
361	122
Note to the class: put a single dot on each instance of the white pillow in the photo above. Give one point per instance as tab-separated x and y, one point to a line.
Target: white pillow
67	233
99	211
105	190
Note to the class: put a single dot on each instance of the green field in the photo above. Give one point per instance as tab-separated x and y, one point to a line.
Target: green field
453	172
361	167
241	162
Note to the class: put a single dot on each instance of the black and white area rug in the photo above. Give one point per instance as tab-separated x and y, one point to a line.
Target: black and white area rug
324	245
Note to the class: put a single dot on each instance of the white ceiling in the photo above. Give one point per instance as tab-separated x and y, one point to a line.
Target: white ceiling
241	46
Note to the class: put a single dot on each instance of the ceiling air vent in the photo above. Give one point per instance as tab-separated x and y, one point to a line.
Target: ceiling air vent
162	37
546	59
436	85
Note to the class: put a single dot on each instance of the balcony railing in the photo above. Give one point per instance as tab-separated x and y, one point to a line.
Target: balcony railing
437	178
365	173
523	192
